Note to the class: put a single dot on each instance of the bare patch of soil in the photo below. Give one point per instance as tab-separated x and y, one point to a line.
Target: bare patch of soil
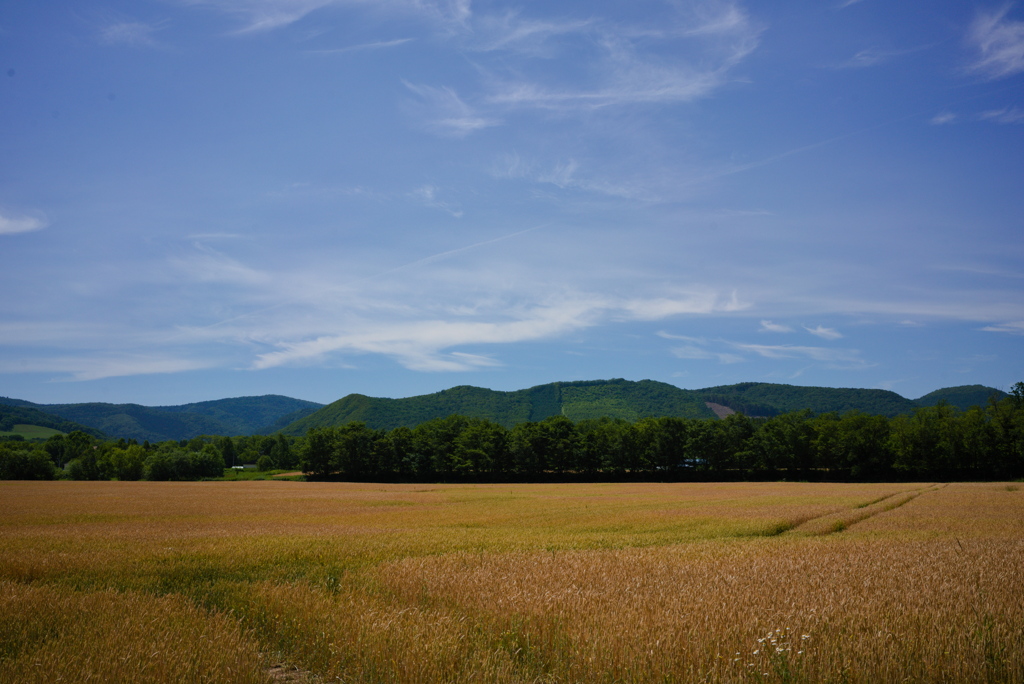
720	411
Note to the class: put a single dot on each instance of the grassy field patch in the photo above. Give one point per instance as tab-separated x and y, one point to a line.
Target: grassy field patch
31	432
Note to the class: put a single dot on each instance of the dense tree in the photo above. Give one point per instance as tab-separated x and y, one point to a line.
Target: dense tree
856	443
21	461
317	454
127	463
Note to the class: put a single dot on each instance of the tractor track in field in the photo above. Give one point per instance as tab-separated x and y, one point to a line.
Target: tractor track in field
838	521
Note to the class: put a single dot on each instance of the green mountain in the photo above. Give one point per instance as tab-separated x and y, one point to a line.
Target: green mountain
20	414
768	399
239	416
963	397
576	400
248	415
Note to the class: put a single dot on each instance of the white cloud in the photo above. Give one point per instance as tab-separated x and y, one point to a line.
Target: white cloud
442	111
133	33
824	333
686	338
423	339
427	194
420	344
768	326
943	118
866	58
511	32
10	225
565	175
209	265
626	65
999	42
376	45
1014	328
1006	115
657	308
691	352
786	351
85	368
268	15
874	56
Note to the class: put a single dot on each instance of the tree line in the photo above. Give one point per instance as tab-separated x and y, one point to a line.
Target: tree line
933	443
80	456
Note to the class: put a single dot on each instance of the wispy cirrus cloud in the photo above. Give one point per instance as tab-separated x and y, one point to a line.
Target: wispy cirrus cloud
441	110
683	58
942	118
1013	327
768	326
426	343
735	352
788	351
999	43
693	352
510	31
267	15
824	333
426	315
427	194
209	265
83	368
131	33
375	45
1006	115
571	174
9	225
870	57
567	175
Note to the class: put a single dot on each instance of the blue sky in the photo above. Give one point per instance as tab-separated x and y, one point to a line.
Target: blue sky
212	198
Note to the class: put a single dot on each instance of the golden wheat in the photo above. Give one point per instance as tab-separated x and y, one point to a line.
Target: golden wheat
780	582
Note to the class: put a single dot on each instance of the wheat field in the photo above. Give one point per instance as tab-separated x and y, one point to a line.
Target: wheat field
318	582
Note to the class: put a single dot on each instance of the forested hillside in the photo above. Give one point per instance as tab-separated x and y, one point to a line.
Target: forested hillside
238	416
580	400
962	397
26	415
768	399
248	415
575	400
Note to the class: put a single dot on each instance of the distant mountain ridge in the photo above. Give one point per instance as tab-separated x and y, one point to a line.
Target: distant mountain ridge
237	416
23	413
577	400
768	399
624	399
962	397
